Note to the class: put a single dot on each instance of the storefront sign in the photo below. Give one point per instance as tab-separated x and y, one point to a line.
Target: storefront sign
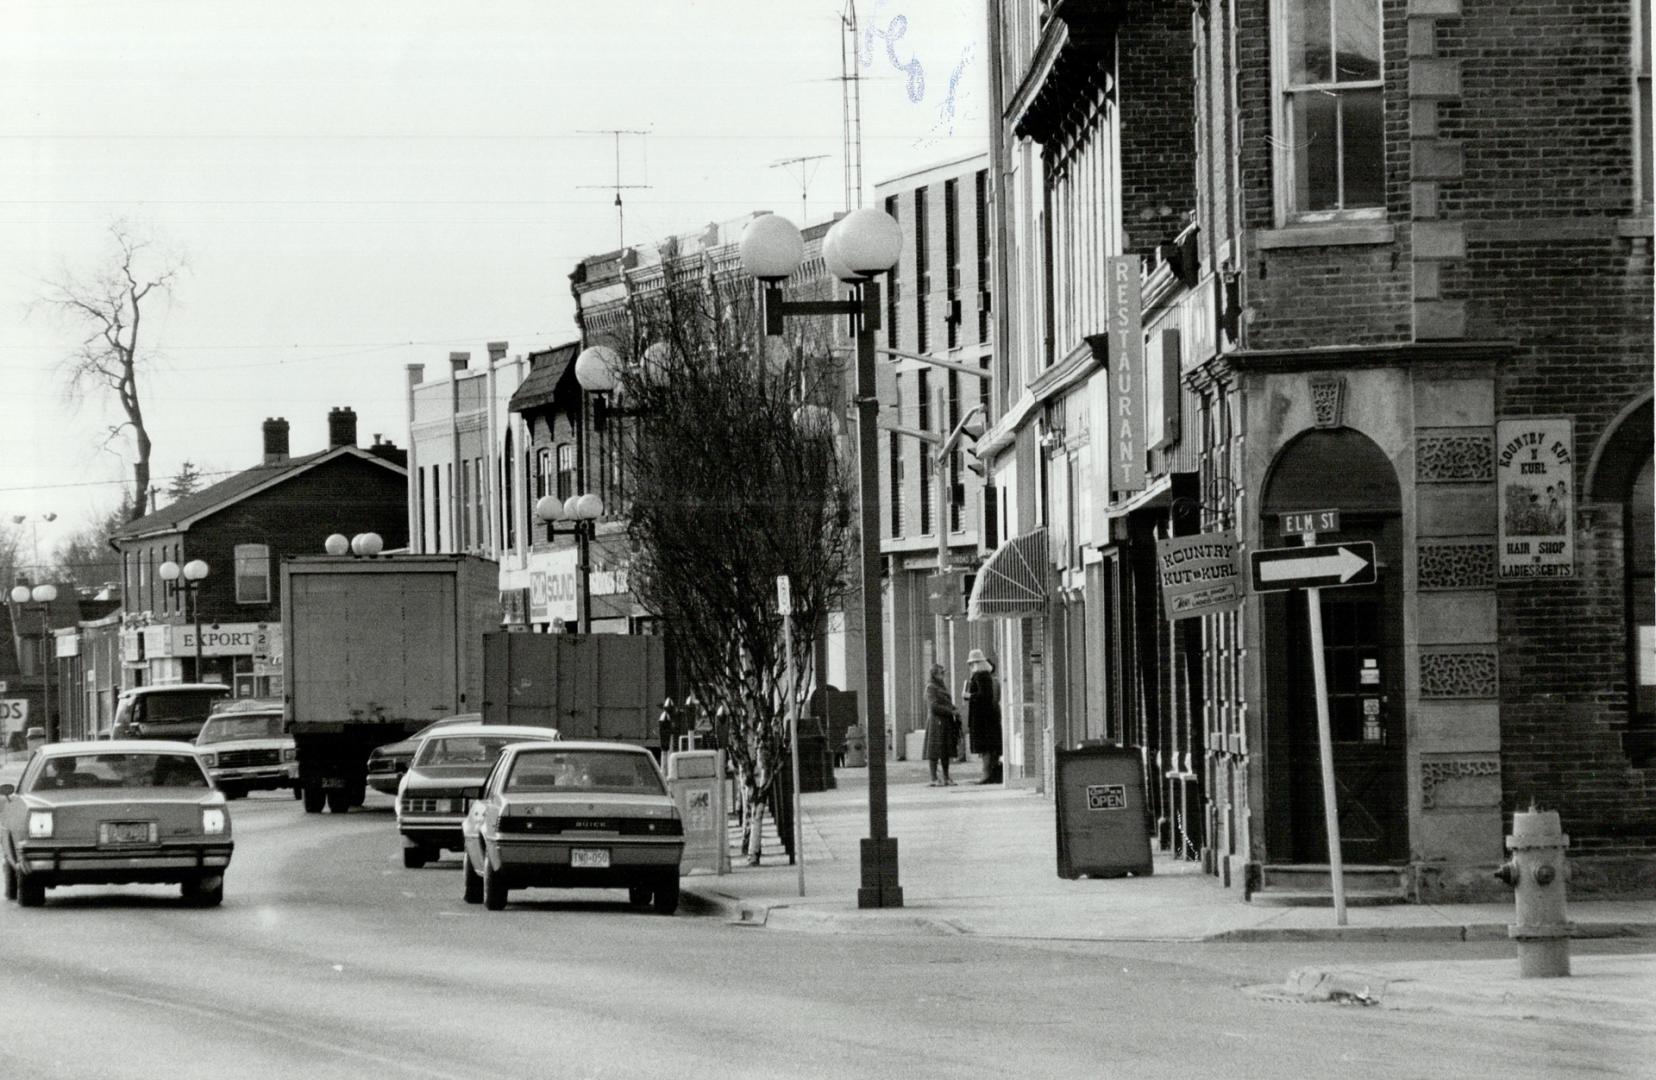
1123	296
14	714
1200	575
65	645
222	639
554	586
1534	473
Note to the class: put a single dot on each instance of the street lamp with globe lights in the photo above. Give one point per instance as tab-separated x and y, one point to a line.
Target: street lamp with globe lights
187	580
859	247
580	514
40	598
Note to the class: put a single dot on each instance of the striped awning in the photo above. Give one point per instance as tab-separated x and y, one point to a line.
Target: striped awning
1012	583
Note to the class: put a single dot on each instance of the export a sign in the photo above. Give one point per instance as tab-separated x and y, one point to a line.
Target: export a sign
1200	575
1534	470
221	639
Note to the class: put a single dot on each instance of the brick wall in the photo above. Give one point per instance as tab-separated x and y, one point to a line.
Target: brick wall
1158	137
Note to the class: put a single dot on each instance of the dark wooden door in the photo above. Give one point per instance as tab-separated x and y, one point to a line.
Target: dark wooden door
1363	651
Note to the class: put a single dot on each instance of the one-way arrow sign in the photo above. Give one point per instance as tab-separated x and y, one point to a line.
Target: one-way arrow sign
1323	566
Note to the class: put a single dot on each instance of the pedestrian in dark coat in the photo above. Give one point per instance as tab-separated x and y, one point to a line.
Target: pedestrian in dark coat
942	726
983	715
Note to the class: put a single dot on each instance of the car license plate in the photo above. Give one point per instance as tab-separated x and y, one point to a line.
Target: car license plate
589	858
332	782
125	832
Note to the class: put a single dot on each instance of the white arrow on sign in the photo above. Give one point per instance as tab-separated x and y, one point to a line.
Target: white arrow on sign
1345	565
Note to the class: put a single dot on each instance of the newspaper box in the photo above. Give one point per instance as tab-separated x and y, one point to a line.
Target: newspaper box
1103	822
696	780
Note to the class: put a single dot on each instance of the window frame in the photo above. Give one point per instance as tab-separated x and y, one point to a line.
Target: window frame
1640	62
1283	140
243	555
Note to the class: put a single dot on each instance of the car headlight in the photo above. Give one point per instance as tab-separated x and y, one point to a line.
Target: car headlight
212	820
40	823
290	754
210	760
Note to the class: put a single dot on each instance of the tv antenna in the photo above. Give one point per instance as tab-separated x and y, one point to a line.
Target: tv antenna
851	106
807	169
618	187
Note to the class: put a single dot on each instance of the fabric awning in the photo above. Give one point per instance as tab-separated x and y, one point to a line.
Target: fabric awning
1012	582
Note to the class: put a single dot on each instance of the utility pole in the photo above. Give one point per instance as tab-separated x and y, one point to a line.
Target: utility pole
851	106
618	186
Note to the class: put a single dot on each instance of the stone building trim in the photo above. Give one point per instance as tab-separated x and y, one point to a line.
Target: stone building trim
1438	771
1454	455
1460	672
1456	564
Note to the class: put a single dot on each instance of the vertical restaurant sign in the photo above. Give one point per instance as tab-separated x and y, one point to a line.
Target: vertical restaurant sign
1126	336
1534	474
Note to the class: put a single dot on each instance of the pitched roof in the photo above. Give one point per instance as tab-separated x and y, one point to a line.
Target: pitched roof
181	513
546	370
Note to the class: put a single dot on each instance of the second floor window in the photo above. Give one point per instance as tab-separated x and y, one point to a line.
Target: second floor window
252	574
1330	124
567	480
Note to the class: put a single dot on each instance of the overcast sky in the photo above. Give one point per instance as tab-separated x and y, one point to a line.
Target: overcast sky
359	185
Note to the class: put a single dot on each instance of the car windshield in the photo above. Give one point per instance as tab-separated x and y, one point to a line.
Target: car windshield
251	726
584	770
180	705
124	771
479	751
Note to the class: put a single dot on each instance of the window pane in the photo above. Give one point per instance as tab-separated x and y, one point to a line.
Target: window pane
1363	143
252	574
1315	150
1307	35
1357	22
1644	119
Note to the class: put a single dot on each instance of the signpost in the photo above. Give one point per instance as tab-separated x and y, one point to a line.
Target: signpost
784	604
1315	567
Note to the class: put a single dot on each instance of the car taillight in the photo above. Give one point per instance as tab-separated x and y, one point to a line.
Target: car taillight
40	823
212	820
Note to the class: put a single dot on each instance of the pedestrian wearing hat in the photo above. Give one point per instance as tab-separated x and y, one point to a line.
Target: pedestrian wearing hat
942	727
983	715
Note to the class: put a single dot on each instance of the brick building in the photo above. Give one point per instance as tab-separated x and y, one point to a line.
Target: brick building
1404	251
241	527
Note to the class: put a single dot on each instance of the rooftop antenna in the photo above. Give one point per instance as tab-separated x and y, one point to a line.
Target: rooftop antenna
618	186
851	105
807	169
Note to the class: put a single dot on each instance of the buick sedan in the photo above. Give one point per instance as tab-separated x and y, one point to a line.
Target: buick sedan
573	815
112	813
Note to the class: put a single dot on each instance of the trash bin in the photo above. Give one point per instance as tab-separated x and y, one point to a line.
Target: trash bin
914	745
1103	819
856	748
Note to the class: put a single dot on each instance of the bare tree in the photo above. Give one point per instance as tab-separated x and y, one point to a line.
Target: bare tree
735	479
107	305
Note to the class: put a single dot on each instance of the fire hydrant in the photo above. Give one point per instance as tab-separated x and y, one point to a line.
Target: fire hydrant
1537	872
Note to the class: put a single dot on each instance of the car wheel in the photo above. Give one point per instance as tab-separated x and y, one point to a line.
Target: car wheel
298	792
31	891
339	800
314	797
10	879
638	895
203	892
667	895
494	889
473	893
415	857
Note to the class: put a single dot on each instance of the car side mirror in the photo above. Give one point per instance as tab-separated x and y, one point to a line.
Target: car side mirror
8	790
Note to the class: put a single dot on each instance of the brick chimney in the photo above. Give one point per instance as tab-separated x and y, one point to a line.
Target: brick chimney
341	427
459	361
497	351
275	441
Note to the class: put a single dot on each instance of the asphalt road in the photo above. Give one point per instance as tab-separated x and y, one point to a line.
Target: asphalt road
328	959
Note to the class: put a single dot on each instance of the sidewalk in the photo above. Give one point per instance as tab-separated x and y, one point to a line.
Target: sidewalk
982	861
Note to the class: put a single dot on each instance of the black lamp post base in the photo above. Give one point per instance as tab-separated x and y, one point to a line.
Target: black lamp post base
880	888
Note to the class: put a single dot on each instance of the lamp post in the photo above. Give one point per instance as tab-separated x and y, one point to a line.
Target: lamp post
581	513
187	580
40	598
862	245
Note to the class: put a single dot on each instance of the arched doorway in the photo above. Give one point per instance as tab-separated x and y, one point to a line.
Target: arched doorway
1621	473
1337	469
